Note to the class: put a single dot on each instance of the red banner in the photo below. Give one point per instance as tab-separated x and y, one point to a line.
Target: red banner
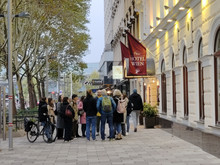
137	60
125	53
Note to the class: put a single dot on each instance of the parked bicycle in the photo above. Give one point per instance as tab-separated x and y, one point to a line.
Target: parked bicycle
34	130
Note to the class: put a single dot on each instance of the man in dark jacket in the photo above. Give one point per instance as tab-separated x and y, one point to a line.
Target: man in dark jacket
89	106
43	115
42	110
136	105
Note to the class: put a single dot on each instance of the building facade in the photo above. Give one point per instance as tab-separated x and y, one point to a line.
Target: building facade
183	38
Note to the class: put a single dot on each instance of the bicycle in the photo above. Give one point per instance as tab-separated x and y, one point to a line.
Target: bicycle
33	130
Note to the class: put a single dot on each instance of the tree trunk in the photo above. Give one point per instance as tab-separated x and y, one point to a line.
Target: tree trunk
43	88
20	90
14	111
38	89
30	90
34	94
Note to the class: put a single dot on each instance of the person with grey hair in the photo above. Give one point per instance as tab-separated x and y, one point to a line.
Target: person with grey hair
135	105
106	106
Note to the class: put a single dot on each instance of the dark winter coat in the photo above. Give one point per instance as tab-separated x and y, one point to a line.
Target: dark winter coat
63	109
42	111
89	106
137	102
60	120
117	117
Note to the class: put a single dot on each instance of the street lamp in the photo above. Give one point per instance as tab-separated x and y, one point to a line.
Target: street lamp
10	76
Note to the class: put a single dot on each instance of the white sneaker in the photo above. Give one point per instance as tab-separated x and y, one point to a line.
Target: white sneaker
127	133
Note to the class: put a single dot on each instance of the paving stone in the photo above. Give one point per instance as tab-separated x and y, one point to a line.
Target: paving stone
146	147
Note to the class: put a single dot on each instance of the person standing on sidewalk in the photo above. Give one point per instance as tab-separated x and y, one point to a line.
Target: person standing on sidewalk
82	115
137	106
106	106
76	116
89	105
50	108
60	119
117	117
99	94
125	116
67	119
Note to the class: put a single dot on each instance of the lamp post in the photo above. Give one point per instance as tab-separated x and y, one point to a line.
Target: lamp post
10	76
10	80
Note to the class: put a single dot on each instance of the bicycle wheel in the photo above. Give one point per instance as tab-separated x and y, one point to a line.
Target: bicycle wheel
49	133
54	133
33	133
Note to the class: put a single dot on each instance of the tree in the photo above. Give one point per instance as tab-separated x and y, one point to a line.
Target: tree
55	27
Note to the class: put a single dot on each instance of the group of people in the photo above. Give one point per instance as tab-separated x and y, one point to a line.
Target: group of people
91	112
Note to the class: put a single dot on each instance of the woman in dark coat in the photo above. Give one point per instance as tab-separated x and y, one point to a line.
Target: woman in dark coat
118	118
67	120
60	119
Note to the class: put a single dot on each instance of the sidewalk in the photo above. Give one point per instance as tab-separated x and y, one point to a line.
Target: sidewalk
146	147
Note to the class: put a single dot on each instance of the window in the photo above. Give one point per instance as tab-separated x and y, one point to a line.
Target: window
174	85
201	83
217	77
185	84
163	87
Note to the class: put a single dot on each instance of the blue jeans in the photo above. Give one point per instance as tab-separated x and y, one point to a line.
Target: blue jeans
46	129
90	120
109	118
128	123
117	127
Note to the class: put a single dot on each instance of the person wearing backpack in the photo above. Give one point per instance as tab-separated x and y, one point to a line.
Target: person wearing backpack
137	106
67	119
118	117
106	106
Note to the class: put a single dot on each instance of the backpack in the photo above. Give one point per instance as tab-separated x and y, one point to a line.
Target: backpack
121	108
106	104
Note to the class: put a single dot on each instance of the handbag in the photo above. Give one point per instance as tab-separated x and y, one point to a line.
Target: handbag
68	113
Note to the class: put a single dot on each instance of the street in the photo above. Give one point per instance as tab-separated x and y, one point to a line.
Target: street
147	147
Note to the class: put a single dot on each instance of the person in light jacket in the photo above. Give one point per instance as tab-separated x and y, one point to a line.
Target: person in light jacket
82	116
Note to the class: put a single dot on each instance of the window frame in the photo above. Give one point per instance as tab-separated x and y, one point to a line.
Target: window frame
201	84
216	56
163	88
174	85
185	84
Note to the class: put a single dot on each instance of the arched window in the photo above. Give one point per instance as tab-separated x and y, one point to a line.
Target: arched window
201	82
174	85
185	83
217	76
163	87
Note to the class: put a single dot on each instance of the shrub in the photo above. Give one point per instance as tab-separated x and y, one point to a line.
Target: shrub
150	111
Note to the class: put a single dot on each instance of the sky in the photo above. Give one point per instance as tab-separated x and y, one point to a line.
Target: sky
96	28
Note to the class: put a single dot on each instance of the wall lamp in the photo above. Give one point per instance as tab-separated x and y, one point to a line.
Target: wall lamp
160	30
181	8
166	7
171	20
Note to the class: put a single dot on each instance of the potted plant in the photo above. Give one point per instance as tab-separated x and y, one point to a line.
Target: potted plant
150	113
